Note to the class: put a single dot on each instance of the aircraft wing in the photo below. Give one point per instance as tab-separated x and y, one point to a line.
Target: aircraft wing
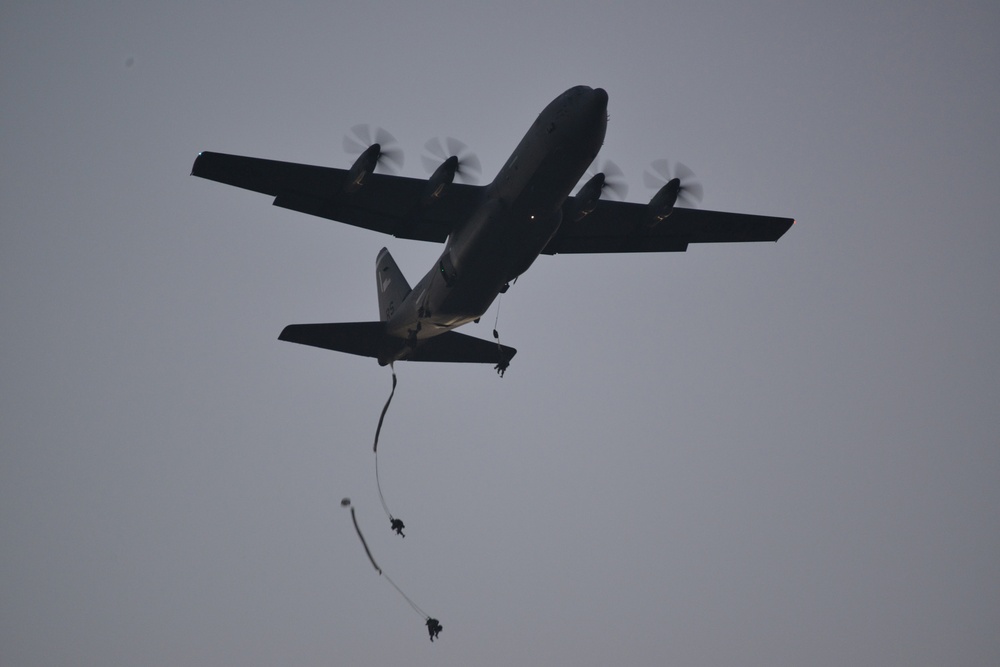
615	226
387	204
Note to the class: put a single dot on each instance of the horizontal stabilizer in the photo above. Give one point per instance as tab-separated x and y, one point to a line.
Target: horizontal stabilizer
363	338
368	339
456	347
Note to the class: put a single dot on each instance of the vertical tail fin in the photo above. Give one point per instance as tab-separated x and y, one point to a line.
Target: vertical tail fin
392	286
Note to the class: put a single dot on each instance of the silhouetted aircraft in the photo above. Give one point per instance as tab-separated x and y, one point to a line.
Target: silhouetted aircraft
492	233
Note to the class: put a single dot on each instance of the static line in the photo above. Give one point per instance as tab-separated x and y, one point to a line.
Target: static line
385	408
378	430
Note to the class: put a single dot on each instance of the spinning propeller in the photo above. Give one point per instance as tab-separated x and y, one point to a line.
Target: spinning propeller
688	192
439	150
609	178
614	179
363	137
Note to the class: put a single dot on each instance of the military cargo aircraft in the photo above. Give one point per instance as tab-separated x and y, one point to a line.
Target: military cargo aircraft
491	233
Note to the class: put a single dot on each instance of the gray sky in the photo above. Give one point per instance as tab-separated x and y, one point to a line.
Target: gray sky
743	455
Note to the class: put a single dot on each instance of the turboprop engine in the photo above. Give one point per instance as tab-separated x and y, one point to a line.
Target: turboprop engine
449	159
662	203
669	193
586	199
609	178
364	165
439	181
376	147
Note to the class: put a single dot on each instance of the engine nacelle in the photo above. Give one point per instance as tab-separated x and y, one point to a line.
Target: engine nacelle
662	204
439	181
364	165
586	199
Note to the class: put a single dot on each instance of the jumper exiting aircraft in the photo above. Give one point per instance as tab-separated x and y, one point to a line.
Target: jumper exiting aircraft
492	233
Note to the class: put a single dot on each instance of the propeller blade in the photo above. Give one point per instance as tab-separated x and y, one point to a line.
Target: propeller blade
614	178
362	136
439	150
689	193
683	172
661	174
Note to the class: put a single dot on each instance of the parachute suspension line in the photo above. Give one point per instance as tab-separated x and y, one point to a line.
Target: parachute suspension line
502	363
379	486
346	502
413	604
496	321
394	523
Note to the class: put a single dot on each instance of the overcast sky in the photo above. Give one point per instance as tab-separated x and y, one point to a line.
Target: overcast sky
750	454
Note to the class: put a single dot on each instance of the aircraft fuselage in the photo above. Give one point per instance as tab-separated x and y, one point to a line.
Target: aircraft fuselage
520	212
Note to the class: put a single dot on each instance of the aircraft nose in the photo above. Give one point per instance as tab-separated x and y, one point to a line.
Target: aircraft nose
598	106
601	97
598	103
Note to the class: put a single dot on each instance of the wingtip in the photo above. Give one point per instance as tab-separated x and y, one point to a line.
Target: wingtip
194	165
199	161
